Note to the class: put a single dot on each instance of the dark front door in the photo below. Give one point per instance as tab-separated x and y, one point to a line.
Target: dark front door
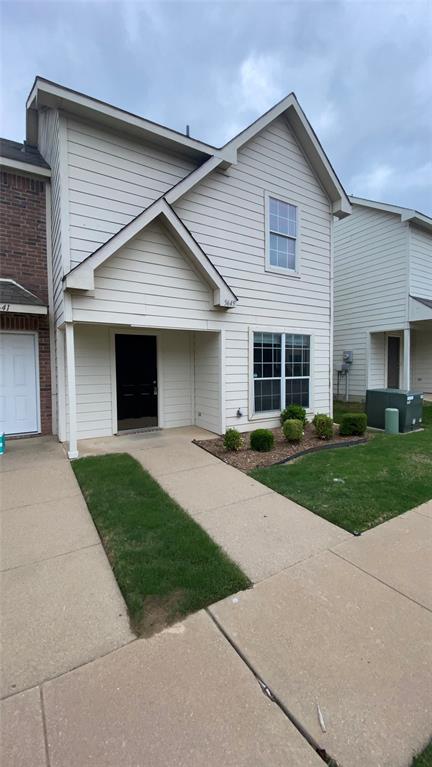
393	362
136	371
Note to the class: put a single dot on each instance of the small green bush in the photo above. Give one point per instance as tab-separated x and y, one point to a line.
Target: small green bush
323	426
262	440
353	424
233	440
293	430
294	412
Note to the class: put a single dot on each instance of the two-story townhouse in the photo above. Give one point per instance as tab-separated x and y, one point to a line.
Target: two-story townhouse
383	298
25	322
191	284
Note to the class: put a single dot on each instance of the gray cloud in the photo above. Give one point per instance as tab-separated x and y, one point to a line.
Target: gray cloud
361	70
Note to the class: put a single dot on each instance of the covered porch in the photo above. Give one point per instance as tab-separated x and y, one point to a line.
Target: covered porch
118	380
401	358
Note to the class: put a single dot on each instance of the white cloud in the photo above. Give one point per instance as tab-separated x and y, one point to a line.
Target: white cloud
384	182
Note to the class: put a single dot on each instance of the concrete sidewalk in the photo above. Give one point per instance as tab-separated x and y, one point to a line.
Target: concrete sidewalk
60	604
259	529
345	624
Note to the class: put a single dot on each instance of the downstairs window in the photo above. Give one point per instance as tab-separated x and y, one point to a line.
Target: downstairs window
281	371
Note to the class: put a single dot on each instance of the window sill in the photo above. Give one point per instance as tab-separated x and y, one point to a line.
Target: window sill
265	415
281	270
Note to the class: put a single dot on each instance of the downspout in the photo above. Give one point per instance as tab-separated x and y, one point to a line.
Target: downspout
331	318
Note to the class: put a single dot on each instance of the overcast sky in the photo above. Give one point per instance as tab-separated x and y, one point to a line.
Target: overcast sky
361	71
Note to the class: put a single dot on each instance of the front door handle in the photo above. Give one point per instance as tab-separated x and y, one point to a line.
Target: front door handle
155	388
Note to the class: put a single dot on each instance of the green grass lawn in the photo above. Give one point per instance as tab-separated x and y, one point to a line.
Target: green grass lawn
165	564
425	758
375	482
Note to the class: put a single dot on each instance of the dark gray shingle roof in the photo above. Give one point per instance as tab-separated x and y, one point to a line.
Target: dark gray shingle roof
425	301
12	293
13	150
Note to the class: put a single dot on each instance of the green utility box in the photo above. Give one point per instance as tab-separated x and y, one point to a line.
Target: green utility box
409	404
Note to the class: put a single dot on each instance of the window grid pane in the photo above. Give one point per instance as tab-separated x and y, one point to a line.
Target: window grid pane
283	233
267	371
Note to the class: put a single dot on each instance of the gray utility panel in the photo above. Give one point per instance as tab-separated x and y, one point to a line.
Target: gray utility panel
409	404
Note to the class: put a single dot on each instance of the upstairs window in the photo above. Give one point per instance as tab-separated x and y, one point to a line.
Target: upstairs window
282	245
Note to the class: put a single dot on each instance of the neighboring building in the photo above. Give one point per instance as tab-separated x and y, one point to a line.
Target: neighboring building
25	388
383	297
191	285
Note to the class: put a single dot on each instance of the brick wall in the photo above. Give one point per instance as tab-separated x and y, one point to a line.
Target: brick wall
23	258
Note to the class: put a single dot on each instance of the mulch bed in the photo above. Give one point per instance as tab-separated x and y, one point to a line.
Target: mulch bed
247	459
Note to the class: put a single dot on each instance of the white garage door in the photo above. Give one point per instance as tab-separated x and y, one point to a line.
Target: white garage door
19	396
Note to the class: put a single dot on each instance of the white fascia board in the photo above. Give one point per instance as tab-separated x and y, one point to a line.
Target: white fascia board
194	178
299	123
406	214
418	311
24	309
52	94
82	276
222	293
24	167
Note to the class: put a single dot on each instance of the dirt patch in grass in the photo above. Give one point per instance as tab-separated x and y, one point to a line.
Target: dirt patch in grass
247	459
159	612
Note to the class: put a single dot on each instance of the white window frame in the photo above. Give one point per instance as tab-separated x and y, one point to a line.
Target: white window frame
267	415
268	266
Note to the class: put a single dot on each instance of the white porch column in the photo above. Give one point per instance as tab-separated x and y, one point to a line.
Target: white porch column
407	358
71	389
61	385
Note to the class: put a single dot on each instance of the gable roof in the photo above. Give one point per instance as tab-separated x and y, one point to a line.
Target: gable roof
49	94
19	299
82	276
406	214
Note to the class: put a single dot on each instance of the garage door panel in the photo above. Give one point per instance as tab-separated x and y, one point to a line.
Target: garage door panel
19	397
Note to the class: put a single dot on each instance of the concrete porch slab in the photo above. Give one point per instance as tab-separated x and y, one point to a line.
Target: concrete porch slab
146	440
172	458
398	553
49	481
325	632
183	697
43	530
58	614
22	741
207	487
268	534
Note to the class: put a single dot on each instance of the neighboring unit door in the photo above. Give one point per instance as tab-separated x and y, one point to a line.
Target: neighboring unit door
136	373
393	361
19	397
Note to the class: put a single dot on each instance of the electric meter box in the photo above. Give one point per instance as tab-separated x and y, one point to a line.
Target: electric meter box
409	404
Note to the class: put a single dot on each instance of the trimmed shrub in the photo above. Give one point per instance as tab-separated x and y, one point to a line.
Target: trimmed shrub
233	440
294	413
262	440
353	424
323	426
293	430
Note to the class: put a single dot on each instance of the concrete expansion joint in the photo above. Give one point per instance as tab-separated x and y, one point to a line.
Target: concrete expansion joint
384	583
272	696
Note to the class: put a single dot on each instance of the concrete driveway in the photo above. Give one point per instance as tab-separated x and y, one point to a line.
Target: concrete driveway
60	605
333	621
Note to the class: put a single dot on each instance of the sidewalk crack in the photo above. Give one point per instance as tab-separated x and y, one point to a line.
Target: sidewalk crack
269	693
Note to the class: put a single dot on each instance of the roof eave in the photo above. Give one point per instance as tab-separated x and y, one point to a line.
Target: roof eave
49	94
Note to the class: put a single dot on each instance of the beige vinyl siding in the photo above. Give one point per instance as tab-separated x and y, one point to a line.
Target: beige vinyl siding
151	283
207	380
420	262
370	285
148	282
226	215
176	377
49	147
421	359
112	178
